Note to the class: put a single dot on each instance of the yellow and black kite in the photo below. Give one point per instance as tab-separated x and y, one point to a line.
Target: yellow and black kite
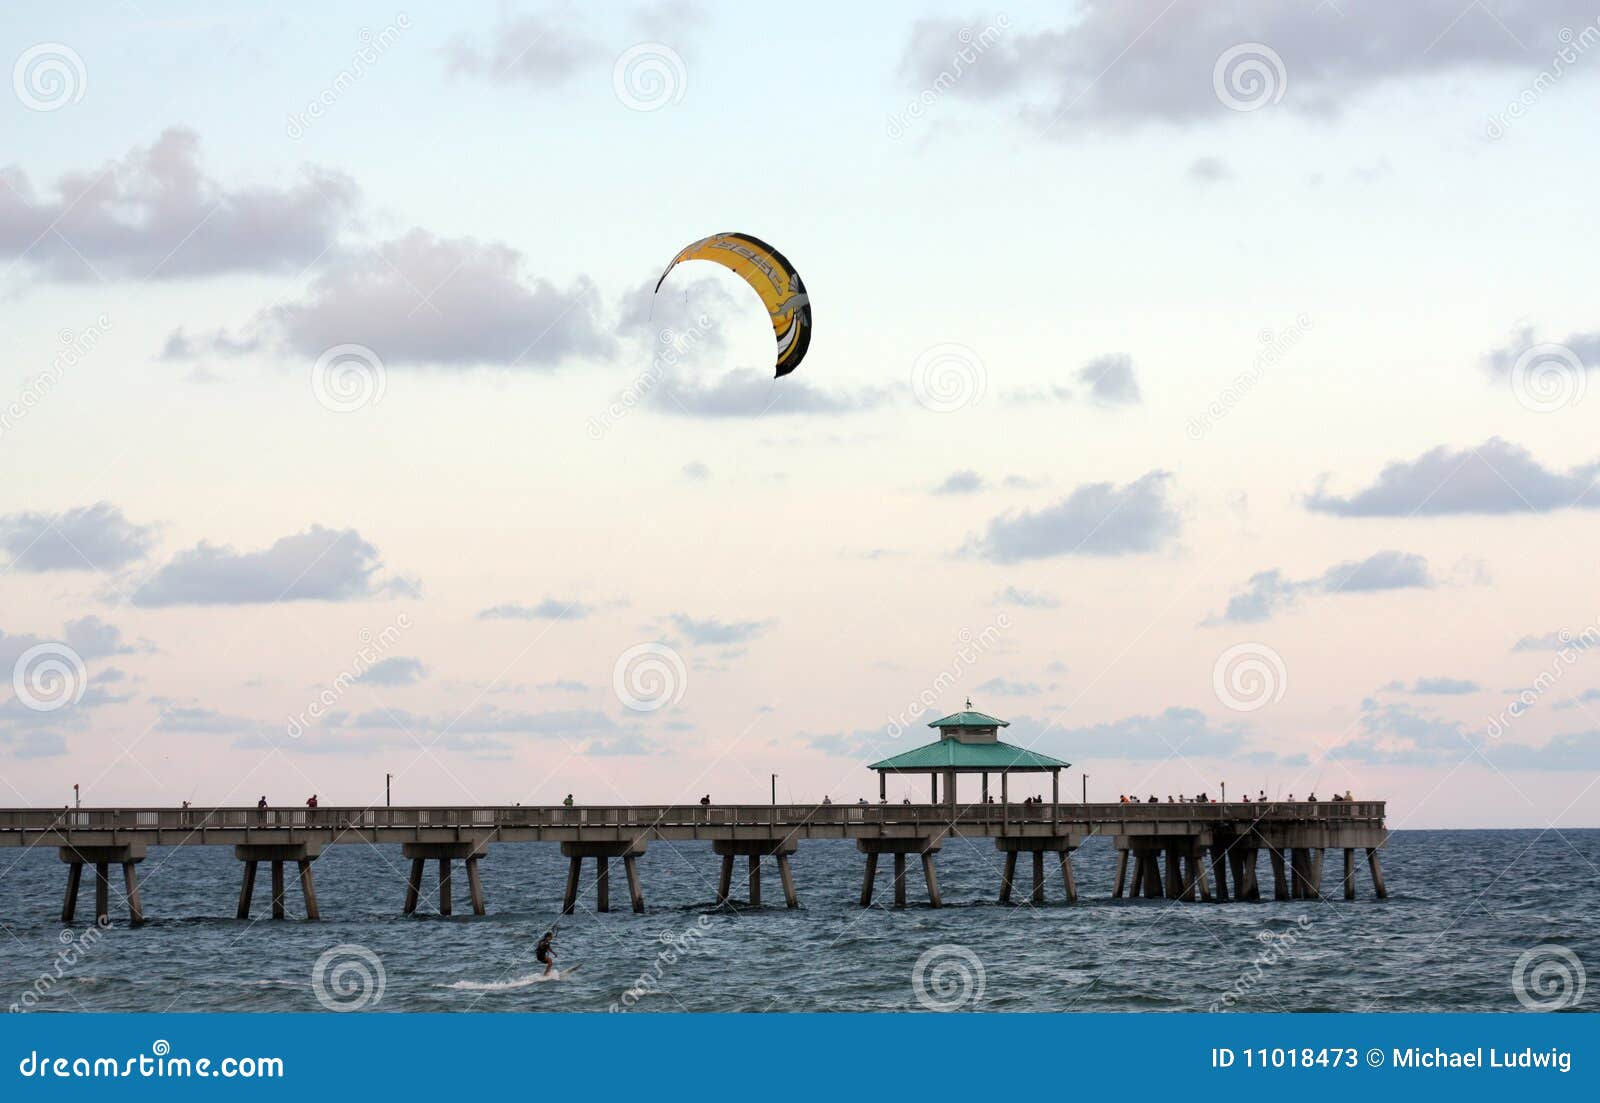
774	279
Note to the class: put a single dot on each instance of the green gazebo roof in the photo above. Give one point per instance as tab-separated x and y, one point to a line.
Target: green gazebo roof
949	754
969	719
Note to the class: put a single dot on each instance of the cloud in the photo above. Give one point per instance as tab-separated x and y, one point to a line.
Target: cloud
1209	170
32	744
454	302
1444	687
862	745
1110	380
960	482
1495	477
155	213
185	718
1175	732
565	685
319	564
1004	687
749	392
1095	519
1270	591
550	608
1027	599
485	720
631	743
538	51
696	472
93	638
1123	63
87	538
712	631
1398	735
397	671
1559	641
1585	347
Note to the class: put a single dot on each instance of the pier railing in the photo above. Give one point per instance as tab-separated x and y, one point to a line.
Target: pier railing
672	815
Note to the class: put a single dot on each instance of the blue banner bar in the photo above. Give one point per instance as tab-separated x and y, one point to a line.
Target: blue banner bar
1381	1056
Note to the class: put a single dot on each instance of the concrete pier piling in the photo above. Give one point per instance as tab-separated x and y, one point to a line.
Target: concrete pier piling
102	858
1177	852
576	851
899	847
252	855
445	854
1039	846
753	850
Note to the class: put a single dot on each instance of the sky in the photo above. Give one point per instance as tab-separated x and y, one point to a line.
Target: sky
1201	388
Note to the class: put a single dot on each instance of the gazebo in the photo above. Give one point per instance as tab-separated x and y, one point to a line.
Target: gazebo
969	743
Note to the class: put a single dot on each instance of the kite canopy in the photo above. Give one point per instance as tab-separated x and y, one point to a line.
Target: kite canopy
773	278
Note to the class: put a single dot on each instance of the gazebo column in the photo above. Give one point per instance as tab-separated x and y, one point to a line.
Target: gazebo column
933	788
986	787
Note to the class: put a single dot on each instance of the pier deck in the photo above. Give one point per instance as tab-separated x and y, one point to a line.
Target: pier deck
1201	843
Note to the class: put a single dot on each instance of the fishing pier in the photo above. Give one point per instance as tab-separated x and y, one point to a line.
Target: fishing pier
1189	851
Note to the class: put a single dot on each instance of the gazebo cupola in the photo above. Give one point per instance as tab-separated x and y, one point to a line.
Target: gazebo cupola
969	743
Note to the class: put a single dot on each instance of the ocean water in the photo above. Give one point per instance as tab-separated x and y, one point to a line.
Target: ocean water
1475	921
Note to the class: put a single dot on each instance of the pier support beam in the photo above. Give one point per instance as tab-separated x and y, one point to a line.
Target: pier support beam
1219	871
899	848
753	850
102	858
786	875
275	854
1280	884
630	866
1349	873
1376	870
1038	846
445	853
602	853
1122	873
